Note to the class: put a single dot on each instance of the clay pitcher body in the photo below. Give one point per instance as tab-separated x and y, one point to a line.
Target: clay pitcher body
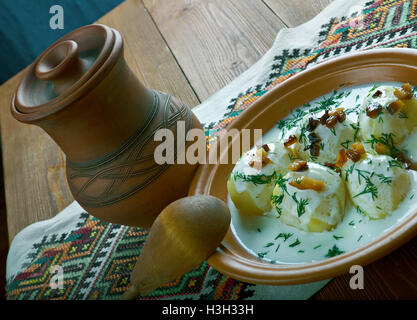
83	94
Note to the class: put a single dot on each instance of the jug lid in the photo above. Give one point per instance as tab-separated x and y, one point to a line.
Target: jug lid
65	71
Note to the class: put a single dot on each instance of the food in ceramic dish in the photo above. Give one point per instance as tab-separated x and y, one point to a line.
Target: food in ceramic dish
342	176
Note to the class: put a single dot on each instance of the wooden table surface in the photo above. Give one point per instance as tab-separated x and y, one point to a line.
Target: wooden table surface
190	49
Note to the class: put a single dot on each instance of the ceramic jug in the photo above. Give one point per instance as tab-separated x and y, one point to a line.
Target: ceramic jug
84	95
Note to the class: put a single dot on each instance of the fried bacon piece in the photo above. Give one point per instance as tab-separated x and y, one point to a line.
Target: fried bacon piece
261	159
341	158
307	183
332	166
359	148
395	106
312	124
340	114
373	110
377	94
406	92
331	121
298	166
314	138
382	148
315	150
290	141
266	147
324	117
353	155
407	164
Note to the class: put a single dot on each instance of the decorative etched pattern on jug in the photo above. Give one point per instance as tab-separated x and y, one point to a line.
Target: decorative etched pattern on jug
130	168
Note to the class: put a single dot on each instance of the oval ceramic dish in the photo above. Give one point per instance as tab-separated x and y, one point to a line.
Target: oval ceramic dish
381	65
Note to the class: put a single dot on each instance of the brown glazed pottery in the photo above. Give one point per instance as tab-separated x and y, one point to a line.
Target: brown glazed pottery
381	65
83	94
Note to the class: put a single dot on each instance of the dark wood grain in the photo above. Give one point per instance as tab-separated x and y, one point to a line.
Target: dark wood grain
296	12
214	41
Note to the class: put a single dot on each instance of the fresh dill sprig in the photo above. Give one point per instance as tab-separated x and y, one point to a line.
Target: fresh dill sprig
295	243
334	252
386	139
384	179
356	128
262	255
369	188
255	179
402	115
301	204
286	236
345	144
276	201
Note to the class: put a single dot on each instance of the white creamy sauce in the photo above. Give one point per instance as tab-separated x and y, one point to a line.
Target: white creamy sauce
263	236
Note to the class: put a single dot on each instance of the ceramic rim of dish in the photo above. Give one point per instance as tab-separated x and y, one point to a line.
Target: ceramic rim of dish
379	65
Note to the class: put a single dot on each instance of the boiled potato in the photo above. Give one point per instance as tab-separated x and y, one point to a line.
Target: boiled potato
251	182
342	135
312	200
376	184
386	116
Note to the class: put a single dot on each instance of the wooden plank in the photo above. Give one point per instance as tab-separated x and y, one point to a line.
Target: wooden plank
214	41
296	12
147	53
392	277
34	166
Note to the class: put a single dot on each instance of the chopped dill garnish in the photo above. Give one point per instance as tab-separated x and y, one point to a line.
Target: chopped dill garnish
276	201
384	179
259	230
333	130
369	188
300	251
393	164
386	140
286	236
294	244
280	180
359	210
262	254
270	244
301	204
360	238
352	223
412	196
277	247
333	252
356	128
345	144
255	179
316	247
402	115
349	171
313	158
361	173
337	237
